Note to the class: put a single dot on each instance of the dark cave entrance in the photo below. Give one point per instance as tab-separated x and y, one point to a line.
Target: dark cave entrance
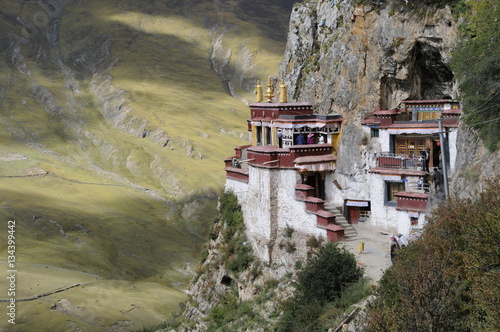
428	78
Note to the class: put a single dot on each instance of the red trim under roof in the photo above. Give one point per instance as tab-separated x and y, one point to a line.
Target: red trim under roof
391	171
430	101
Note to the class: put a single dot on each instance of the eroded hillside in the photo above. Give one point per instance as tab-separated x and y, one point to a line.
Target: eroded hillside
116	116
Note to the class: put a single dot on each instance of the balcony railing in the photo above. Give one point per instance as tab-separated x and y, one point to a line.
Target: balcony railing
396	161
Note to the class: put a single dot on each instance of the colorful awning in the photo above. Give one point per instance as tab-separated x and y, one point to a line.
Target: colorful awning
322	163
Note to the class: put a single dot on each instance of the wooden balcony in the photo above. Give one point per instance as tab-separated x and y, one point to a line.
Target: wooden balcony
395	161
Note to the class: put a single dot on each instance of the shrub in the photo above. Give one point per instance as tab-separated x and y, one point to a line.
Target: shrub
327	275
314	242
230	209
289	231
476	65
448	279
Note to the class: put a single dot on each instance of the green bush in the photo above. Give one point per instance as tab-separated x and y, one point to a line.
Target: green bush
327	277
230	209
314	242
289	231
448	279
237	252
328	273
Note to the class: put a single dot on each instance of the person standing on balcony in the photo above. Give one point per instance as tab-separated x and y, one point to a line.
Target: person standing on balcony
310	138
424	156
420	182
301	140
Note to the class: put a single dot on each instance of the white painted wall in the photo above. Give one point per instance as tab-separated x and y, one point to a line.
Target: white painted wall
385	142
257	207
387	217
452	142
291	212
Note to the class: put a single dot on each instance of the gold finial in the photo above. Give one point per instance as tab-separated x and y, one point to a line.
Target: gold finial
269	95
283	97
258	91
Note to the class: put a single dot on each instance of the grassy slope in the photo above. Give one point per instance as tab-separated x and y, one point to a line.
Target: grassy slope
130	248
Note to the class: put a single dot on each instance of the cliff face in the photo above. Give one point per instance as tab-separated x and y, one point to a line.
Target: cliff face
355	59
475	164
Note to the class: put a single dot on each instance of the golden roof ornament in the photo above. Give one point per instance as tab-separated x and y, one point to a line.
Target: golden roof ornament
258	91
283	96
269	95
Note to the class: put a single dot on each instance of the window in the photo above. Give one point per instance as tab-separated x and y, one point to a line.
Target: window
392	188
268	136
410	145
375	132
259	135
364	215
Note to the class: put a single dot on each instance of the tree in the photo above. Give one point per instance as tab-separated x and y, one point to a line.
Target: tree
476	63
448	280
326	275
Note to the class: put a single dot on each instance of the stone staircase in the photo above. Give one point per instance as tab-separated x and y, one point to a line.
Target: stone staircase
349	231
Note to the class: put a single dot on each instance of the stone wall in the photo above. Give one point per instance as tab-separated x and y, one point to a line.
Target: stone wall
269	208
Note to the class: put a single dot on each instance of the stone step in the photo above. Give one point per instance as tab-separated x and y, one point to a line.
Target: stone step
349	231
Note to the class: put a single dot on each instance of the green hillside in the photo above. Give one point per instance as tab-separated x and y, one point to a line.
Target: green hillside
116	117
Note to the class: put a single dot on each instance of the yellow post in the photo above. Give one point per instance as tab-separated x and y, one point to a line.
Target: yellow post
361	247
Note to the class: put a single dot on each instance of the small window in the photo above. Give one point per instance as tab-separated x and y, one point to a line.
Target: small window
364	215
375	132
392	188
259	135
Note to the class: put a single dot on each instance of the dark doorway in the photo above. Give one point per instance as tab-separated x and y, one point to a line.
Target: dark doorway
317	181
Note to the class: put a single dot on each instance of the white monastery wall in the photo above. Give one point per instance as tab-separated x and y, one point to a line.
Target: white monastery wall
269	207
257	212
452	142
293	213
385	142
387	217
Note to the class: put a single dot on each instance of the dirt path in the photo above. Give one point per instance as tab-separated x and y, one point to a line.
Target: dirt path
375	256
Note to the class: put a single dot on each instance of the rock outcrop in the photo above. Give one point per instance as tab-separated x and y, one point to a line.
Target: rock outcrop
354	59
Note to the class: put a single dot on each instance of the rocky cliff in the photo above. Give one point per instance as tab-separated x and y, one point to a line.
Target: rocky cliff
353	58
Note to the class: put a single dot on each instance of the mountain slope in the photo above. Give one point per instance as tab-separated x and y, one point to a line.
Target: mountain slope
116	117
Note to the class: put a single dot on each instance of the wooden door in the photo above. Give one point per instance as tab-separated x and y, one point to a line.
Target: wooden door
353	214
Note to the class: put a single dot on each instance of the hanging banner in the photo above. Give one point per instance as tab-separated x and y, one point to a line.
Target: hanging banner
413	214
391	177
413	131
356	203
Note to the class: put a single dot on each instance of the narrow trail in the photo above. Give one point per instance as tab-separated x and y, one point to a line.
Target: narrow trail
75	181
58	290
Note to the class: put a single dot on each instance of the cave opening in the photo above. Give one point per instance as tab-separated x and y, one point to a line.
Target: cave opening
428	77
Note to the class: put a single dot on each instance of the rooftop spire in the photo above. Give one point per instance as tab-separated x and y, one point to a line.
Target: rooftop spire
283	96
258	91
269	94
